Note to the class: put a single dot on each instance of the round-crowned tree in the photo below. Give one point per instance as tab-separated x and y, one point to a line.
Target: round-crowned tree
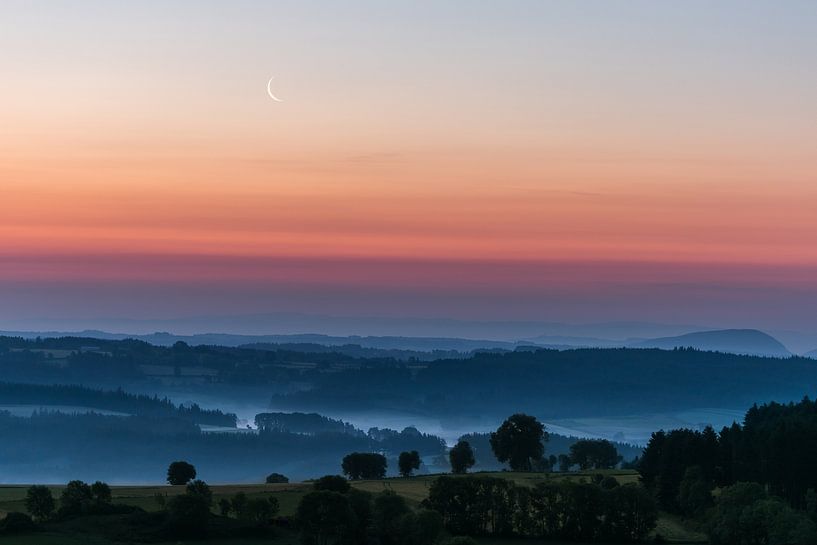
180	473
40	502
325	517
519	441
334	483
364	465
461	457
277	478
408	462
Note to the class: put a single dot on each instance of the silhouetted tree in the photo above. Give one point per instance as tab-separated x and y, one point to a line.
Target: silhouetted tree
630	514
188	515
667	457
695	492
518	441
325	518
361	503
461	457
16	523
334	483
408	462
594	454
745	514
201	489
388	508
260	510
276	478
76	498
225	507
364	465
101	493
420	528
180	472
40	502
239	505
564	463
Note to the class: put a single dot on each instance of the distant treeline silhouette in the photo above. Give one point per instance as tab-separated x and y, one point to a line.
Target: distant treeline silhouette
110	400
548	383
552	383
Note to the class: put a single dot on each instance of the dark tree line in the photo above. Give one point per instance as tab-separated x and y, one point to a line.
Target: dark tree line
309	423
775	447
594	454
110	400
587	512
335	513
550	383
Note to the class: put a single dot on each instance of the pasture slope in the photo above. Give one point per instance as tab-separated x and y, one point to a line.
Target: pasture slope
414	489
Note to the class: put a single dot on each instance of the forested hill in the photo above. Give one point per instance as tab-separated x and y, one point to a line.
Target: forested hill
116	401
551	383
548	383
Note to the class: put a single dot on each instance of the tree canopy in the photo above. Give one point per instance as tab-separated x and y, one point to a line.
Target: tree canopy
519	441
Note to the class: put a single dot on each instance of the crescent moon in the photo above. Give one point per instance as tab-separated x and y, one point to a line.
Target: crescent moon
269	91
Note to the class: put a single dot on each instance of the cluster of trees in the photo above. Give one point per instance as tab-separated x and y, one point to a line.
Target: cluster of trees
184	515
258	510
364	465
110	400
594	454
519	442
558	453
189	514
745	514
308	423
335	513
774	447
764	468
409	438
77	498
588	512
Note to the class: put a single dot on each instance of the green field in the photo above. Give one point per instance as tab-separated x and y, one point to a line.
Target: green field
414	489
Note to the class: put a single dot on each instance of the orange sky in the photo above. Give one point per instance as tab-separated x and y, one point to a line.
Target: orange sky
542	134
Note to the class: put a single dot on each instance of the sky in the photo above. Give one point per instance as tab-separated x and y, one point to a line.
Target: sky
574	161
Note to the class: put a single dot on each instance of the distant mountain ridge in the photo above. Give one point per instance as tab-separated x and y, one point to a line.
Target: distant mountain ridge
735	341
